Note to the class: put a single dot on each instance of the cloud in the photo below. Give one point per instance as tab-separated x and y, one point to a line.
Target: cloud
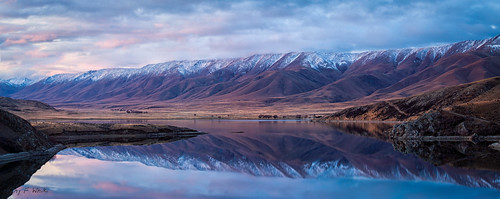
48	37
114	187
115	43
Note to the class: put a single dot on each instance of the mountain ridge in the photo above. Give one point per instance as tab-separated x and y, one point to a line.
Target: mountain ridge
300	77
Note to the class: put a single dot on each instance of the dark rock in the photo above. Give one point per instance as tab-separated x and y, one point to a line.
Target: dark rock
17	135
495	146
467	154
445	123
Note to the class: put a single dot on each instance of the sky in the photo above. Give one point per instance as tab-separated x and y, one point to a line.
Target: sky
42	38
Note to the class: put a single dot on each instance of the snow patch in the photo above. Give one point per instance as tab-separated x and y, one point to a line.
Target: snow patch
18	81
261	62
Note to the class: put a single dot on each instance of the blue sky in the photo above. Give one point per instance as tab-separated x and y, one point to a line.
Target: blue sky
40	38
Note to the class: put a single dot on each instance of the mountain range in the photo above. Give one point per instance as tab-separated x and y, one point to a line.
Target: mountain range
296	77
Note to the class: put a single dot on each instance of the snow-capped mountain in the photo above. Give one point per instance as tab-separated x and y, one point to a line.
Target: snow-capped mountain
315	60
18	81
291	77
262	62
13	85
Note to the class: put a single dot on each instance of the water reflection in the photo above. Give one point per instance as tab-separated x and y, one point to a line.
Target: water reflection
279	159
78	177
289	149
15	174
462	154
377	130
457	154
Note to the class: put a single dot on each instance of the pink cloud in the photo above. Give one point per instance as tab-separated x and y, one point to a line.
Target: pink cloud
31	38
114	43
11	41
37	53
112	187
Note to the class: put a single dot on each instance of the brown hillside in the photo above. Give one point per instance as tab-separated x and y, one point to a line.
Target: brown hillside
480	99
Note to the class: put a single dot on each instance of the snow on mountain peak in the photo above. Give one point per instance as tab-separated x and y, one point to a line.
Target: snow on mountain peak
261	62
184	67
330	60
61	77
494	43
399	55
18	81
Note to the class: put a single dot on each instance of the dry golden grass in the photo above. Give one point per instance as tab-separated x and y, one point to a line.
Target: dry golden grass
214	110
57	128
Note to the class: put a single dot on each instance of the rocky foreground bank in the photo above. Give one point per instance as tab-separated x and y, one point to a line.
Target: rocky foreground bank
446	123
17	135
465	110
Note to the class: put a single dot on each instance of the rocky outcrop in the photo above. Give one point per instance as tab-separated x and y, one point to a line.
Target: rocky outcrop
445	123
382	111
17	135
446	137
23	150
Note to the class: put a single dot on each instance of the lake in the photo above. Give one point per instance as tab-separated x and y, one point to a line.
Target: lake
256	159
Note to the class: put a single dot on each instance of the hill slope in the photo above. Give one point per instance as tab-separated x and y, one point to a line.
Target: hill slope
480	99
17	135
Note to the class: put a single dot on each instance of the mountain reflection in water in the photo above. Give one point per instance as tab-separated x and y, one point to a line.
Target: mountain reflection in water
307	154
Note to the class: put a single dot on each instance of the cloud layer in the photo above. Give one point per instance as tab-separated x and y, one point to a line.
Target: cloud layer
39	38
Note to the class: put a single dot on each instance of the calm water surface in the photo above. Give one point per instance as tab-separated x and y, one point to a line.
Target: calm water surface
254	159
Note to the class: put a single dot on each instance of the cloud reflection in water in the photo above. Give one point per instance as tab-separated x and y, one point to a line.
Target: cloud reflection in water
71	176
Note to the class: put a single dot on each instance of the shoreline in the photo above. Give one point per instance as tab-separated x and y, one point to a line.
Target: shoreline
444	138
215	119
30	155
